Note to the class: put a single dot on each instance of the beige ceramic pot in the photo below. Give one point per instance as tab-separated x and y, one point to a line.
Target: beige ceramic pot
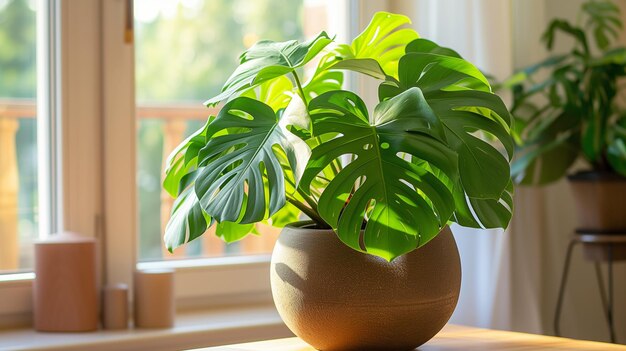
336	298
601	206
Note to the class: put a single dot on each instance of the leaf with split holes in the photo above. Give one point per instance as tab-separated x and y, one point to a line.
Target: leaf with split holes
268	60
472	118
378	48
240	160
183	160
405	204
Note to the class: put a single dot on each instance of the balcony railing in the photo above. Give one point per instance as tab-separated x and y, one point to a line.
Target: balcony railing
174	124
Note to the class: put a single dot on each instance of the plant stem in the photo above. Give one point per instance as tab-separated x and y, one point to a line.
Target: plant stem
309	199
307	211
299	85
334	165
312	211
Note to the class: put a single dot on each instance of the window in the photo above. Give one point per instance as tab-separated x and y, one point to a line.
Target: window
19	215
116	133
184	51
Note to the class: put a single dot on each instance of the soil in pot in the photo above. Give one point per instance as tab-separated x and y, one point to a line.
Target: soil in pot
336	298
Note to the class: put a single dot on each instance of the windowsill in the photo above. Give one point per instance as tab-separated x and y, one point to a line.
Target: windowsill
193	330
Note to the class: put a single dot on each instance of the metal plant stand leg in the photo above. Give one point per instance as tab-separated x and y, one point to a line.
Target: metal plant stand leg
601	289
559	302
606	293
609	311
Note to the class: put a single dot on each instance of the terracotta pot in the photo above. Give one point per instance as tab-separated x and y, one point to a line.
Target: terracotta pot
336	298
600	200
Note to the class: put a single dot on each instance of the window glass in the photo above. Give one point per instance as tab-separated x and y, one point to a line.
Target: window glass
18	134
184	51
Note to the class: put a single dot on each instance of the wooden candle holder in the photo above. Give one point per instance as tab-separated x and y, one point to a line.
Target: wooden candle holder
154	298
65	290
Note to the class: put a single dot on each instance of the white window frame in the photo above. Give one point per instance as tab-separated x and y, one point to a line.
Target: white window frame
94	93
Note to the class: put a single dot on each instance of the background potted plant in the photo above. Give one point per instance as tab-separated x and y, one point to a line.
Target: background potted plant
376	266
573	113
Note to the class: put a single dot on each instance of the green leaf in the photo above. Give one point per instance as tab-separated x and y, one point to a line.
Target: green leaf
523	75
286	215
183	160
546	161
268	60
240	153
231	232
323	80
405	204
426	46
603	17
367	66
460	96
276	93
489	213
187	221
616	155
462	112
378	48
564	26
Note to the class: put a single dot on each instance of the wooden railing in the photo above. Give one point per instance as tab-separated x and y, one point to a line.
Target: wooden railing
175	119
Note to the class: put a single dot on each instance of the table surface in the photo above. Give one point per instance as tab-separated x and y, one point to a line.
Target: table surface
453	337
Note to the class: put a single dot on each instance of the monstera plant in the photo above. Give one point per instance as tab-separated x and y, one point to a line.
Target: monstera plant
434	149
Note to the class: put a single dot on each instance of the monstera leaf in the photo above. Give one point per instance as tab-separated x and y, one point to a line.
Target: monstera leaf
243	143
268	60
323	80
231	232
378	48
405	205
183	161
187	221
460	97
275	93
426	46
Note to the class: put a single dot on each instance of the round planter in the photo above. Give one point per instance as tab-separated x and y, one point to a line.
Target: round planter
336	298
600	200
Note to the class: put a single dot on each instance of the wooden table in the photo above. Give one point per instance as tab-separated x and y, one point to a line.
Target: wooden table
452	338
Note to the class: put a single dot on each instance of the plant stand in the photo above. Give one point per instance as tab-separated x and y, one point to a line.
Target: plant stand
589	237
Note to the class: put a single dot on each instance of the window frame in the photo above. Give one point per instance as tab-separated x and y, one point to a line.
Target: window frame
92	87
69	151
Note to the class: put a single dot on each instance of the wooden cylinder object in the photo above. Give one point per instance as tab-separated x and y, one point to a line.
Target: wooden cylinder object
65	290
115	306
154	298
